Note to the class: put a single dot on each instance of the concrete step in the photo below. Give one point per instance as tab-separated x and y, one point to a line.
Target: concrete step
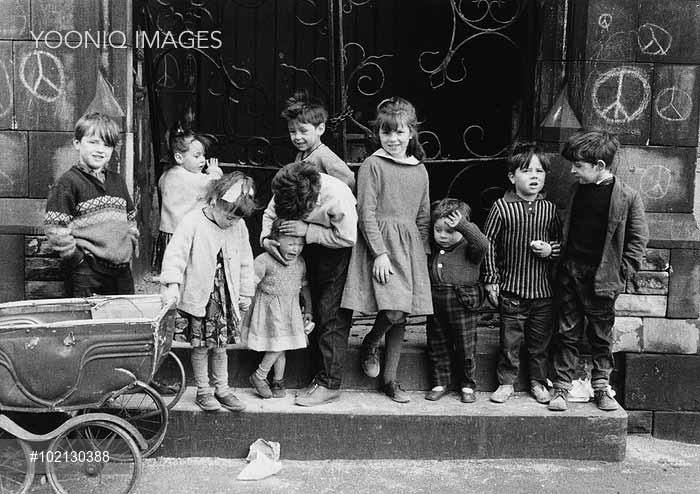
368	425
414	368
413	373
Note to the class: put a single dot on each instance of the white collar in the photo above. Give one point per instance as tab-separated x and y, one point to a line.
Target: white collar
410	160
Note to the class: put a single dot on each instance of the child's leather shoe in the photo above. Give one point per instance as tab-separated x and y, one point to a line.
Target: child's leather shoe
468	395
502	394
207	402
559	402
604	400
230	402
540	392
436	393
369	356
278	389
393	390
317	395
261	386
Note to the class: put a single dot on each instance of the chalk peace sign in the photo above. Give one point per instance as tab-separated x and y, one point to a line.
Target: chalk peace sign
655	182
628	98
42	74
673	104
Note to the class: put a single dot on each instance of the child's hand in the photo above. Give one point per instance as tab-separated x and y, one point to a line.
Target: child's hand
308	323
213	165
244	303
492	292
273	248
308	317
541	248
453	219
382	268
295	228
169	294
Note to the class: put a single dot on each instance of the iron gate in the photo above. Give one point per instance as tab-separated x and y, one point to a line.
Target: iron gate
467	65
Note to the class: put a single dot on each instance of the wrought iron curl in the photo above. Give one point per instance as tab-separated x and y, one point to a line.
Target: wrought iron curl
483	135
439	73
366	63
430	140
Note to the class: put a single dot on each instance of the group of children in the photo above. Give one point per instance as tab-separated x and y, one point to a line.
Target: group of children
390	252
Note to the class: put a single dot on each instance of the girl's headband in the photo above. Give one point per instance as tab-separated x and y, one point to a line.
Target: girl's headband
234	193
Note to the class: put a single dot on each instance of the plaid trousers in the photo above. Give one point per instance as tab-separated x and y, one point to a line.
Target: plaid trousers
452	333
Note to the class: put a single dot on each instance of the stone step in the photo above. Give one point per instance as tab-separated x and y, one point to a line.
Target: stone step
368	425
413	373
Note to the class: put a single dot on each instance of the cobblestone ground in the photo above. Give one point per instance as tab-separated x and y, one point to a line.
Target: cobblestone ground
651	466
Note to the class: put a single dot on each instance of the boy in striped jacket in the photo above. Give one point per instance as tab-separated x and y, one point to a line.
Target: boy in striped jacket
524	232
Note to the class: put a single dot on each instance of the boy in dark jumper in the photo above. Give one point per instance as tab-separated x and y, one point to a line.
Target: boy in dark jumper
90	217
604	237
457	252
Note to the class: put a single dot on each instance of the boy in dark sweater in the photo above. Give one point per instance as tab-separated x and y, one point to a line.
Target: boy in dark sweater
454	265
605	234
90	217
524	232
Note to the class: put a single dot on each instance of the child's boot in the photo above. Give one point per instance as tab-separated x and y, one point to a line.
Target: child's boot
468	395
207	402
278	389
229	401
604	400
393	390
369	356
558	403
261	386
436	393
502	394
540	392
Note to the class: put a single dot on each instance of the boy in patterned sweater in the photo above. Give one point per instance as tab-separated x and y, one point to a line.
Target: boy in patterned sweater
524	231
90	217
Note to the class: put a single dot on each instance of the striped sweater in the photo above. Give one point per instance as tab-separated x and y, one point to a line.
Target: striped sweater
510	227
85	214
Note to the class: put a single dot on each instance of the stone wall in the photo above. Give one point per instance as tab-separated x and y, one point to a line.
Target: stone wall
51	74
632	67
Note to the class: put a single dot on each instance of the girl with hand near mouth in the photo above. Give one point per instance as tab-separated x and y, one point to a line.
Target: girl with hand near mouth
183	185
275	323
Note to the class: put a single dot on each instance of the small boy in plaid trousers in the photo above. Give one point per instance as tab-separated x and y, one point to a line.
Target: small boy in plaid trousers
454	266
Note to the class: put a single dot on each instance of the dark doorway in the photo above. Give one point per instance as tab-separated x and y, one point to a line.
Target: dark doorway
468	67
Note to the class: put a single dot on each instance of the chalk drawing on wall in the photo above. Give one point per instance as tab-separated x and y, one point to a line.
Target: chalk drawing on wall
5	90
42	74
653	39
604	21
6	182
673	104
655	182
170	72
626	103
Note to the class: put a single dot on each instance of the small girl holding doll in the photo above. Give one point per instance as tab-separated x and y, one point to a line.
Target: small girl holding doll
388	270
208	269
275	323
184	185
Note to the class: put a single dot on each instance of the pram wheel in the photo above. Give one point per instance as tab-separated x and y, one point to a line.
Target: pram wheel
82	459
145	409
16	467
169	379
